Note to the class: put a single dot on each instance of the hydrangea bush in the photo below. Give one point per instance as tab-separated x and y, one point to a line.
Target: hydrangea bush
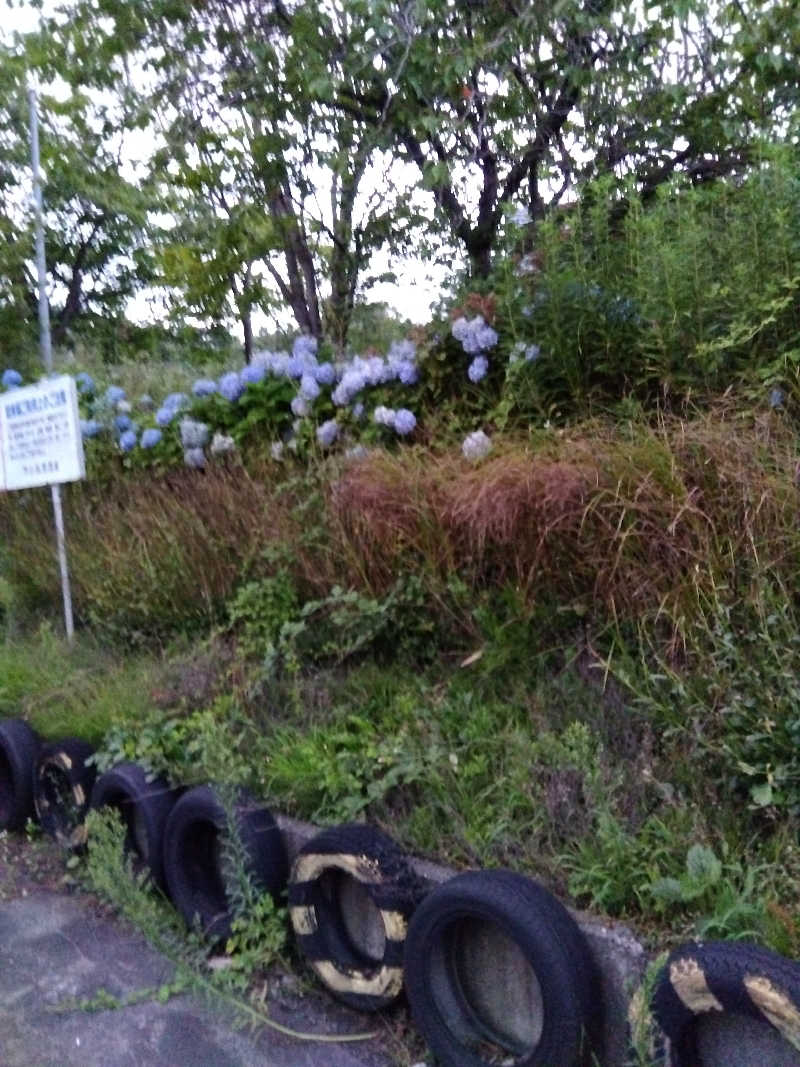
281	400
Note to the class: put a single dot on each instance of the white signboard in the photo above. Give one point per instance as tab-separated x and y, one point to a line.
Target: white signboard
40	435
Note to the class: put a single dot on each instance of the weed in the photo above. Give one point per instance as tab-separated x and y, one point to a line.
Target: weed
110	873
68	690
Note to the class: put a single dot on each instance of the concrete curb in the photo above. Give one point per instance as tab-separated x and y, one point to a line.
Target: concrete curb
621	959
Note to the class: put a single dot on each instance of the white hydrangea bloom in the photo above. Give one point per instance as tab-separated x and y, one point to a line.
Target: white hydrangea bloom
476	446
222	445
194	434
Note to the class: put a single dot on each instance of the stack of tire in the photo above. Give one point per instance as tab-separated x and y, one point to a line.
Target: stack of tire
176	835
493	966
362	918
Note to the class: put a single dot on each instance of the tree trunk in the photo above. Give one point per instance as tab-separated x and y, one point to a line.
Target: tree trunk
247	334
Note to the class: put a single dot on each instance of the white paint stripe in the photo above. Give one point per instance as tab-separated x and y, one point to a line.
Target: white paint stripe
386	982
777	1007
309	866
691	987
304	920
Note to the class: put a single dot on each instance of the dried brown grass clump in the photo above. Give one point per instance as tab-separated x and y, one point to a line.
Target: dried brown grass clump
383	513
631	522
166	551
517	517
639	522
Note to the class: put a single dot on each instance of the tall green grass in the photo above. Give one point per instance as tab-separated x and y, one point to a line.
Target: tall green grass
688	294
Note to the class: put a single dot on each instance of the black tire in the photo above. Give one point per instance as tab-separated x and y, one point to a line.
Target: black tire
724	976
62	786
144	806
19	748
355	946
194	863
465	1011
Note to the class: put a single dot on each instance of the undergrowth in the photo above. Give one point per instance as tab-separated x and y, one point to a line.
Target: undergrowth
257	938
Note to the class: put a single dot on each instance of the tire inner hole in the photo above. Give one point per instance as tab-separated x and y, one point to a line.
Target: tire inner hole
500	1015
359	919
202	862
56	789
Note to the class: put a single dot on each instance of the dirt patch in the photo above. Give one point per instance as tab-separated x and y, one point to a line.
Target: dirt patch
29	863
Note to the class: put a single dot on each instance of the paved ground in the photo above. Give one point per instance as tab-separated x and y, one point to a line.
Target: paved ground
57	944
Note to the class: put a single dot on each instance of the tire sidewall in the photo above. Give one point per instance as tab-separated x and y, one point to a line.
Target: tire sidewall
21	747
266	859
532	920
151	801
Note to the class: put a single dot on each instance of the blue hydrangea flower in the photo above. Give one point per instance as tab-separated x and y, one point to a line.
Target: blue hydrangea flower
474	334
407	373
776	397
204	387
353	381
327	433
231	386
325	373
194	434
175	401
90	427
195	458
378	371
127	441
150	437
523	353
85	383
253	373
122	423
477	369
164	416
271	362
146	402
404	421
114	394
300	406
403	350
305	348
308	387
11	378
358	410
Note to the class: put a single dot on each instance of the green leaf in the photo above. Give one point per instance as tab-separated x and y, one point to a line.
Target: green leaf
702	865
669	890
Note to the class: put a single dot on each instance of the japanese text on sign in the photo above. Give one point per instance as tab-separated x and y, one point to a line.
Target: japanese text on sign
40	437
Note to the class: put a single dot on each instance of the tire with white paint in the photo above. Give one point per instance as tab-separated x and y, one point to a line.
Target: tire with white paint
144	804
19	747
62	787
197	875
707	978
351	893
497	971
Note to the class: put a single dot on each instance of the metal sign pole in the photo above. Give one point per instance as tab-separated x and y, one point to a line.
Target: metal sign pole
47	352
